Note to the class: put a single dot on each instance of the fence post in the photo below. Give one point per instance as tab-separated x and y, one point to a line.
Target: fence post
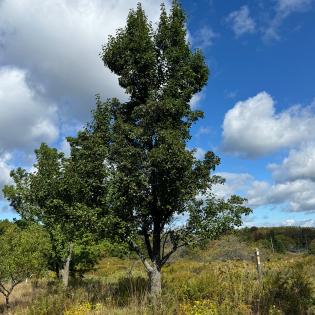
258	264
272	244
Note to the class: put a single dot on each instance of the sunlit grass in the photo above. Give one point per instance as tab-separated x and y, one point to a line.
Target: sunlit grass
117	286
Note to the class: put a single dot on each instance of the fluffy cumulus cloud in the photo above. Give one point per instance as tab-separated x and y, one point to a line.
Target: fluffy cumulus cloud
240	21
59	43
252	129
300	164
50	69
297	196
50	63
283	9
234	183
24	121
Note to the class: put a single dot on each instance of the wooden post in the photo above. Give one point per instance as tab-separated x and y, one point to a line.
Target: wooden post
272	244
258	264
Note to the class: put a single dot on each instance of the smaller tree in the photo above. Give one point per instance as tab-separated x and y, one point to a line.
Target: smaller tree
311	249
22	255
288	242
280	248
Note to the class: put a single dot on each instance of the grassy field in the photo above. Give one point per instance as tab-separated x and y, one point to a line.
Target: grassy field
195	284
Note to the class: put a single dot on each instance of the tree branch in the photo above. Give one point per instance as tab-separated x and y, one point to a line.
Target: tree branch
137	250
148	244
167	256
166	235
3	290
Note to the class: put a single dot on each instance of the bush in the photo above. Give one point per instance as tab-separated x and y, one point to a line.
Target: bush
280	248
264	244
232	248
311	249
288	242
289	288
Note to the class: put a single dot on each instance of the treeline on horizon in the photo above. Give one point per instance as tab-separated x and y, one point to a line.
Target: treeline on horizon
283	238
279	239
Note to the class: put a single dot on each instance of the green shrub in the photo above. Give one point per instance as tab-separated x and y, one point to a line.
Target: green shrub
311	249
289	288
232	248
280	248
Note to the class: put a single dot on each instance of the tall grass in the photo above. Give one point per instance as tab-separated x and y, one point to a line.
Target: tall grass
189	288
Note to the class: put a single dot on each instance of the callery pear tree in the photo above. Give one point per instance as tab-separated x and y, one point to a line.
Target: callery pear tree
61	234
54	196
23	253
155	179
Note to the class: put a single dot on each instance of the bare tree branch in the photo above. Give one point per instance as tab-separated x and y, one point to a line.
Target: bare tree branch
137	250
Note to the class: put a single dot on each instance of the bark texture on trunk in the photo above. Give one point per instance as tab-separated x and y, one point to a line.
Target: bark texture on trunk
155	281
7	302
66	266
155	272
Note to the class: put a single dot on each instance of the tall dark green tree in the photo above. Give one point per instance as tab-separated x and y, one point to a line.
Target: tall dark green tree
156	179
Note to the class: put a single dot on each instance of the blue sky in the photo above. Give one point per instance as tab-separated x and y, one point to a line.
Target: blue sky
259	104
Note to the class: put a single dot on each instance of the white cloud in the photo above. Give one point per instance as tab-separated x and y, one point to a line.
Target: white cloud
59	43
24	120
302	223
305	223
288	6
287	222
65	148
252	129
272	166
206	35
234	182
248	219
189	37
283	9
202	131
300	164
5	169
297	196
50	68
195	100
230	94
199	154
241	22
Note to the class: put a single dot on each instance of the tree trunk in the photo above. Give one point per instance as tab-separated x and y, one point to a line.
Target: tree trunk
57	270
7	301
66	266
155	272
155	281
